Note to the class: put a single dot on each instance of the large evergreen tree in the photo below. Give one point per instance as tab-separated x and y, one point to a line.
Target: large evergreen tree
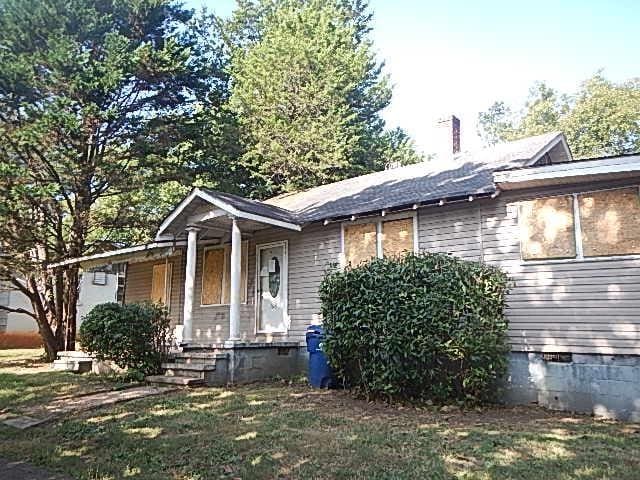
602	118
102	103
308	92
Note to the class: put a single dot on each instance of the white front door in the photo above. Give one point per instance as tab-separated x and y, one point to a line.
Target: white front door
272	287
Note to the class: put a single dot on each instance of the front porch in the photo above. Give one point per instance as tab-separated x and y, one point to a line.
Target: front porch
234	321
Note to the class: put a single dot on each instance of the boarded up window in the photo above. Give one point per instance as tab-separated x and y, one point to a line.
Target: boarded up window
212	273
161	283
547	228
397	236
360	243
610	222
216	275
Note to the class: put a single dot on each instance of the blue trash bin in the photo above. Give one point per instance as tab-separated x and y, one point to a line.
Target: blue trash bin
320	373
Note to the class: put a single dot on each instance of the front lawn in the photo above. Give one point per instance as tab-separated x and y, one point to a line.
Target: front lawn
25	380
281	431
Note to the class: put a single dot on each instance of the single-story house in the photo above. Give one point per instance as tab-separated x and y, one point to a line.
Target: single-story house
241	276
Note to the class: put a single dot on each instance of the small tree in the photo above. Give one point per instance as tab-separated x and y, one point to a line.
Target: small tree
135	336
419	326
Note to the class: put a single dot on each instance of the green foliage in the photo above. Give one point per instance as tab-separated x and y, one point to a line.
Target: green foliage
308	91
106	106
428	326
602	118
134	336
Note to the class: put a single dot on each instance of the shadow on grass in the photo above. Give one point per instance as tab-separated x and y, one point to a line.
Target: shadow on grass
26	389
283	432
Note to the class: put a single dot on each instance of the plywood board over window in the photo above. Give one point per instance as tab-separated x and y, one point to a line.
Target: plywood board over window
547	228
397	237
212	272
360	243
216	275
161	283
610	222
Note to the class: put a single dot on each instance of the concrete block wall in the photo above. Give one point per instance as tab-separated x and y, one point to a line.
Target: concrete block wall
254	362
605	385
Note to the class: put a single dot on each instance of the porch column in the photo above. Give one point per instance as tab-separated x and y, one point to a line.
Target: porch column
236	275
189	283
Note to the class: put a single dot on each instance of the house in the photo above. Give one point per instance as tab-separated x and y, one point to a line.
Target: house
98	286
241	277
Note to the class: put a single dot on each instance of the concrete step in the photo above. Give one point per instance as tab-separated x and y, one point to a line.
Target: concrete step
72	365
174	380
74	355
200	367
197	358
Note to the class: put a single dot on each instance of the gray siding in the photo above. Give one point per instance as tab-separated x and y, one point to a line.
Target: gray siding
583	306
578	306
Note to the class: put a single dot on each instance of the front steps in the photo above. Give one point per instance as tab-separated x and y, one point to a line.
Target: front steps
192	369
73	361
174	380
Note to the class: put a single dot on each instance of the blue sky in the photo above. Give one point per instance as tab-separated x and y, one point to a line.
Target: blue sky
457	57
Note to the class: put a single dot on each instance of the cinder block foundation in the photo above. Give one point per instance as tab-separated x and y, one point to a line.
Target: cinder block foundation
605	385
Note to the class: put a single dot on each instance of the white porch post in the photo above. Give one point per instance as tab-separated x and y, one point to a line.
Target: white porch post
236	275
189	283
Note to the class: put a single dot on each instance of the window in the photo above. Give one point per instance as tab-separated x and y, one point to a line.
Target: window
99	277
547	228
397	237
360	243
364	241
161	283
581	225
216	275
610	222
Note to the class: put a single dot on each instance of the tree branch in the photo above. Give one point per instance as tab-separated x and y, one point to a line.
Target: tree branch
18	310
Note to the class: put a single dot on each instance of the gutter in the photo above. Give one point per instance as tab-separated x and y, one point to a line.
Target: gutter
415	206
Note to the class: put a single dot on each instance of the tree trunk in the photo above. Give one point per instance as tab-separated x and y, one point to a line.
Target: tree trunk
71	293
55	325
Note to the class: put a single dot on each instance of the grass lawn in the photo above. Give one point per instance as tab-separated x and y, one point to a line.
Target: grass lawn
281	431
26	381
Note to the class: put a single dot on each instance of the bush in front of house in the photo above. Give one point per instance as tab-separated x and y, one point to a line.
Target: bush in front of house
134	336
425	327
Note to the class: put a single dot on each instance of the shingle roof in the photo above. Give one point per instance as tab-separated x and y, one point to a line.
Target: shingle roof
254	206
468	173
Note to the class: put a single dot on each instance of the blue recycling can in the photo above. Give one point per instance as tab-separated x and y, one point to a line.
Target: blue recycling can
320	373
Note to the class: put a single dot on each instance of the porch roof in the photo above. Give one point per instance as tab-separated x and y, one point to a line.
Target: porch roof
139	253
214	210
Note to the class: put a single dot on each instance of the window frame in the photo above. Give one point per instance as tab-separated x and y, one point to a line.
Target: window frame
245	273
378	220
577	227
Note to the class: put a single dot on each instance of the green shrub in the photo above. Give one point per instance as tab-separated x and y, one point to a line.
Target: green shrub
428	326
135	336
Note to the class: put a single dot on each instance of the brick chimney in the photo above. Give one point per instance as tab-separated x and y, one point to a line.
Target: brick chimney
449	135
